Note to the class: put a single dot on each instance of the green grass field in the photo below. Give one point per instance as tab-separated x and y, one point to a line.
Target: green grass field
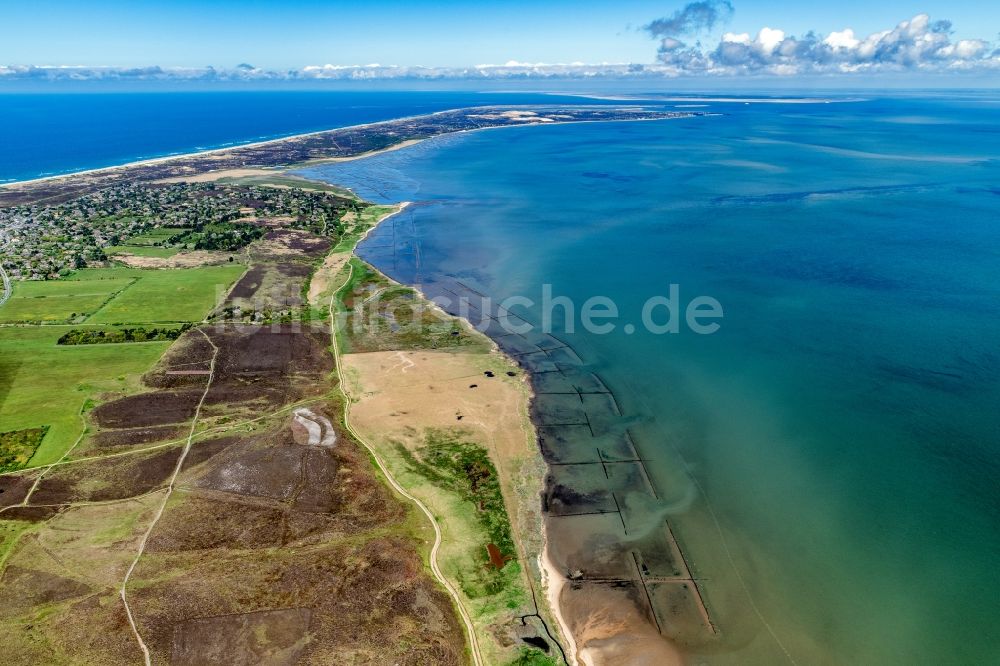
42	384
174	295
95	274
57	300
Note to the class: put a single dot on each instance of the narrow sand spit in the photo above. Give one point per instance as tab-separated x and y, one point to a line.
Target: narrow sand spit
609	630
553	582
349	158
601	630
212	176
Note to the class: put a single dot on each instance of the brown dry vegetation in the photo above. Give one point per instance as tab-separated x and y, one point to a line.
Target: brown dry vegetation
266	524
275	286
270	550
418	376
180	260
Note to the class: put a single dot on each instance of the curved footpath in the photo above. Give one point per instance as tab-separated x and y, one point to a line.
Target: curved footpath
470	630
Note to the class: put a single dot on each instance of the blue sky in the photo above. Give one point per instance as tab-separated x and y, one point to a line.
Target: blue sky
285	35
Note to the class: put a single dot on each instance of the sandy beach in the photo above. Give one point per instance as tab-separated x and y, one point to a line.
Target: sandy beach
397	395
222	152
260	158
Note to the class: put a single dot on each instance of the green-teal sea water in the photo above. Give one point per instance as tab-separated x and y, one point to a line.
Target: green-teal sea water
829	458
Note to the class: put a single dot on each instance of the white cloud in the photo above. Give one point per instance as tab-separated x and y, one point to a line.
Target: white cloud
512	69
917	44
842	40
768	40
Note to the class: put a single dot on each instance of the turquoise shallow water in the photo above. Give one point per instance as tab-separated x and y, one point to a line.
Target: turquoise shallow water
829	458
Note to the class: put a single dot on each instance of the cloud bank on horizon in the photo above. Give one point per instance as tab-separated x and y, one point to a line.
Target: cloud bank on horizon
916	45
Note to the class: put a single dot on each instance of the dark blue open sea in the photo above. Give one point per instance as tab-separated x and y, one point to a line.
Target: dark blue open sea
829	458
44	134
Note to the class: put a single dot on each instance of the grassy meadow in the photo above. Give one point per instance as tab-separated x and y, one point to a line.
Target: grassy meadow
45	384
58	300
171	295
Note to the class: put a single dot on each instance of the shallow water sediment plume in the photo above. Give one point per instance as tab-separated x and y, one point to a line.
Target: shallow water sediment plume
826	454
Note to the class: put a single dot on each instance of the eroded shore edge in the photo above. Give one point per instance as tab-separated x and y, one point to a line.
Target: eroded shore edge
539	573
540	567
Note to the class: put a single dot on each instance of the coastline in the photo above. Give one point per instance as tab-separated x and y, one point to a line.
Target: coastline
315	148
516	468
221	151
534	546
596	627
551	581
538	563
225	150
520	466
738	447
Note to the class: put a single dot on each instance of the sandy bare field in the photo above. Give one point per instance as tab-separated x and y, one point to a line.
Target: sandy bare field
403	392
179	260
398	397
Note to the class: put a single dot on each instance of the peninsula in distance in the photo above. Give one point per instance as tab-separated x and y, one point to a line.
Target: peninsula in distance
668	338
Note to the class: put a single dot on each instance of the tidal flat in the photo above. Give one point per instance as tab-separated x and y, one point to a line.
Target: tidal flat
802	455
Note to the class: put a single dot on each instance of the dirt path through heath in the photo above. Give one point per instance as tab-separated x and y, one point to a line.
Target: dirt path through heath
470	629
166	498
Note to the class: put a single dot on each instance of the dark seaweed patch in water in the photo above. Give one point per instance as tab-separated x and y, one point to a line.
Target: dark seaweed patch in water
567	444
559	409
940	380
516	345
794	266
563	500
576	444
537	362
551	382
